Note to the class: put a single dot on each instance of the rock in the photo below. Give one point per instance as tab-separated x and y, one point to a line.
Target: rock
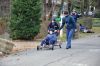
1	53
6	46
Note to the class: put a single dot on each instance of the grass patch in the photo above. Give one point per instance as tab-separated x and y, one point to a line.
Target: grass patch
81	35
96	30
96	22
63	38
96	19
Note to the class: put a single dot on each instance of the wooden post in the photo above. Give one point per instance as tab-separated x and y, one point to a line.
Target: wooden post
76	34
61	12
61	31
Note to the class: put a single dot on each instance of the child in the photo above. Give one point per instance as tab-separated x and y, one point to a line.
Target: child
85	30
51	38
54	25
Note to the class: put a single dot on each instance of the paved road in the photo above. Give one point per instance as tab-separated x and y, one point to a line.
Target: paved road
84	52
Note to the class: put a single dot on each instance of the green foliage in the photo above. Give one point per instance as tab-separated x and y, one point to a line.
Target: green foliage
86	21
96	19
76	5
25	19
80	21
96	22
97	15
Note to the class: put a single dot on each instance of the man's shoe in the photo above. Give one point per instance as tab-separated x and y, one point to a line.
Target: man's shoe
68	47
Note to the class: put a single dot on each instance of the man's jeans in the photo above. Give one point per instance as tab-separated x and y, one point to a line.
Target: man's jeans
69	34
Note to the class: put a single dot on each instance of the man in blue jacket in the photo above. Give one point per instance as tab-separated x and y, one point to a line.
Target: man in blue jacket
70	28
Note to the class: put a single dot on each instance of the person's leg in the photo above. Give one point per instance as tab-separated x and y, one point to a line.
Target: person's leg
70	35
52	42
67	33
56	33
43	42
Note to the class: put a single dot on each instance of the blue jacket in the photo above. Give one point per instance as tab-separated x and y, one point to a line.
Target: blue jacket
53	26
70	22
75	17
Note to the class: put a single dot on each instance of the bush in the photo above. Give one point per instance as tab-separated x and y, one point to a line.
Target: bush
97	15
96	22
86	21
25	19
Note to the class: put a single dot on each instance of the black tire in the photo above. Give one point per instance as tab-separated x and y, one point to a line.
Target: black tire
59	46
38	48
52	47
4	53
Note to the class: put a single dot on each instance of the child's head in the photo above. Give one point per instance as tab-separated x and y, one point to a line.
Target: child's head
65	13
73	13
53	20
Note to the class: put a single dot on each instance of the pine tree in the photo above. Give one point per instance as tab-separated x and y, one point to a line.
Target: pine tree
25	19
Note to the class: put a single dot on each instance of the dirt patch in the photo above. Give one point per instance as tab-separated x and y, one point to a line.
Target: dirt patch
24	45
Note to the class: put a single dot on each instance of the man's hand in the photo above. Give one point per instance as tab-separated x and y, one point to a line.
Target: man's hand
55	30
75	30
48	31
58	31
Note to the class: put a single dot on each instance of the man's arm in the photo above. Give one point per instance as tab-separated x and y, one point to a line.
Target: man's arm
63	23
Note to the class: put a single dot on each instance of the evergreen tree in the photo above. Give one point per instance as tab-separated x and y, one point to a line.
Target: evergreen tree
25	19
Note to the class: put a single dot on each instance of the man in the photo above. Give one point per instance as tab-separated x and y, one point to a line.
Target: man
70	23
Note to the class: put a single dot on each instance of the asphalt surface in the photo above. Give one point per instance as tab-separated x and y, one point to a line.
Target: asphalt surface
84	52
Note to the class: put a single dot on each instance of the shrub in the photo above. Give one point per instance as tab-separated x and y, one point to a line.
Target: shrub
25	19
97	15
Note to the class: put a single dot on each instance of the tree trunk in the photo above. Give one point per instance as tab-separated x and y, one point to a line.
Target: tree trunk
60	10
82	7
47	10
69	6
86	2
